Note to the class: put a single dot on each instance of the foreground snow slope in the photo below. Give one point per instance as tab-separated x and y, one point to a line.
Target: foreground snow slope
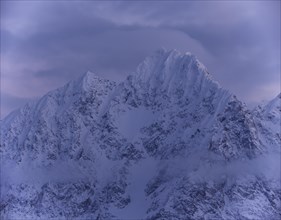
167	143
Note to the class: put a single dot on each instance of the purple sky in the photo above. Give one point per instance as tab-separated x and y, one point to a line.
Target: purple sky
46	44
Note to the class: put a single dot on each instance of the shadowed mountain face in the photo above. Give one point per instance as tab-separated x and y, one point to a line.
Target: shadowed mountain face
167	143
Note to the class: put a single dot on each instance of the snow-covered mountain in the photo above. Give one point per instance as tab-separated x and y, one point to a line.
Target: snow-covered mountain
167	143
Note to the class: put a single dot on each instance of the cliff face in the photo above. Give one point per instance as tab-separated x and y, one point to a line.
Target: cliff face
167	143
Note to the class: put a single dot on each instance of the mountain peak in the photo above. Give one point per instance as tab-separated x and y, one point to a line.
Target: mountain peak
173	61
89	76
172	70
88	80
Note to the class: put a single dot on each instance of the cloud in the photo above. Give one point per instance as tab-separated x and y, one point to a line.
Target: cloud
46	44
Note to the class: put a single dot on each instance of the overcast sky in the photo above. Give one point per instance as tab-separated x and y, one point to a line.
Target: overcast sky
46	44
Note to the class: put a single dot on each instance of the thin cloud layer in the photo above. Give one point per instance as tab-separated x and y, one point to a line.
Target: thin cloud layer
46	44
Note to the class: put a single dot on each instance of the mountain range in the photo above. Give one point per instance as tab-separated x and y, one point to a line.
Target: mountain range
166	143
